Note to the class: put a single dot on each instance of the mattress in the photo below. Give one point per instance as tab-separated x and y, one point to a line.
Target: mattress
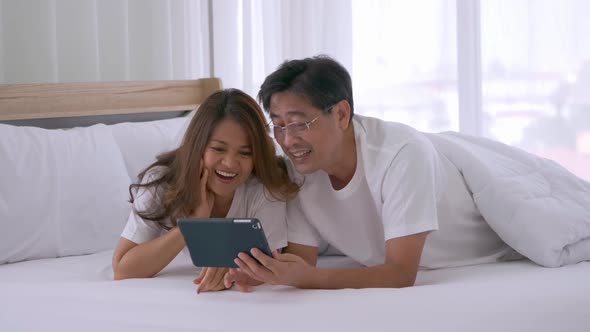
78	294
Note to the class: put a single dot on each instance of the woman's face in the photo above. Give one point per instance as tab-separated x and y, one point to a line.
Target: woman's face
228	157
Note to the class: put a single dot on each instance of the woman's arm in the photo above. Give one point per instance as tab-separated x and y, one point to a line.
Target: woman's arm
145	260
132	260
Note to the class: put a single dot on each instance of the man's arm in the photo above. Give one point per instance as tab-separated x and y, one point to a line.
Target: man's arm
308	253
245	281
399	269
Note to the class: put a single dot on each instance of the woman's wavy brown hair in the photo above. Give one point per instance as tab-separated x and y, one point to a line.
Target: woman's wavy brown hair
174	177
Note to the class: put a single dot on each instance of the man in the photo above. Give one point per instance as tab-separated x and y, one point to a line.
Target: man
380	192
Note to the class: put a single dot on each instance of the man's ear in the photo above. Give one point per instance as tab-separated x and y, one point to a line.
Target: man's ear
342	112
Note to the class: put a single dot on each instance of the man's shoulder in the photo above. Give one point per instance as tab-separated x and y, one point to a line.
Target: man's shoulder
379	139
378	133
388	146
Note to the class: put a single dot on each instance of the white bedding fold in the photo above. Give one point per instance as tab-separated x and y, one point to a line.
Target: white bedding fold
536	206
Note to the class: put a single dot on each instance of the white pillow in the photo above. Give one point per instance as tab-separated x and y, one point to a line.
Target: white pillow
62	193
141	142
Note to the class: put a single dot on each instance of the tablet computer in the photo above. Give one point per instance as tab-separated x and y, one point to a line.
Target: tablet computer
216	242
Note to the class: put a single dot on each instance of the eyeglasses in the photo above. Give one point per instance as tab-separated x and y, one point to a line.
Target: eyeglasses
296	129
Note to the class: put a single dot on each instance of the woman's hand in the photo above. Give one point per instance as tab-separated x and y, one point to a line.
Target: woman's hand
205	204
211	279
240	281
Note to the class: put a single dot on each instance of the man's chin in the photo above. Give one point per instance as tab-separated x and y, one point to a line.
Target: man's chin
304	168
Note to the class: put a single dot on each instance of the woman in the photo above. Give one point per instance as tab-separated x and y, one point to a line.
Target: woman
225	167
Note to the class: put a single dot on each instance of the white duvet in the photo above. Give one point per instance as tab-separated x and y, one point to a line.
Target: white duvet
536	206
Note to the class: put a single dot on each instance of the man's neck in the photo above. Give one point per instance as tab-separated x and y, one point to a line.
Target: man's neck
343	166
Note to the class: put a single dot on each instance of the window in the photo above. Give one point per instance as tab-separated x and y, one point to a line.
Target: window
536	78
404	62
531	59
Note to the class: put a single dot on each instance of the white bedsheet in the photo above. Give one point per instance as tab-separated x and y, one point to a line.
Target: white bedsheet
76	294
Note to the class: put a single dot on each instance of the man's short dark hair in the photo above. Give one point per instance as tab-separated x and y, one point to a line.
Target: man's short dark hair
320	79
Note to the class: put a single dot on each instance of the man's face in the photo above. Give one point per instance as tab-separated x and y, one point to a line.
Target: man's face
310	134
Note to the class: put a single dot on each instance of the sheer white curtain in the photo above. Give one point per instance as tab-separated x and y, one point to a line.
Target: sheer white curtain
251	38
103	40
516	71
106	40
401	55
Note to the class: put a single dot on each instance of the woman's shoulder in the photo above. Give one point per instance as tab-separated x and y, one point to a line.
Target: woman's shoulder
252	185
253	197
254	190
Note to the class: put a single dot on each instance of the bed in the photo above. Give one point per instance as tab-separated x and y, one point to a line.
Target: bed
63	205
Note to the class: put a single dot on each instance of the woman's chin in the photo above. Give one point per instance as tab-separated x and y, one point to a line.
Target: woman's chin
223	191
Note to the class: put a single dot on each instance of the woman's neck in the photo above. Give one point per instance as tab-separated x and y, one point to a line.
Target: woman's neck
221	206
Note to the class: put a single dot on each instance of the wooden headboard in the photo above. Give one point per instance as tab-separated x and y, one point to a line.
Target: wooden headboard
59	100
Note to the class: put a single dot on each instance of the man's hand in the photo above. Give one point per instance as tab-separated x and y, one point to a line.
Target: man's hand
281	269
240	280
211	279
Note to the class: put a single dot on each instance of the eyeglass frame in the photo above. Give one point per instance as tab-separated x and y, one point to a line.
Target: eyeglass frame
284	128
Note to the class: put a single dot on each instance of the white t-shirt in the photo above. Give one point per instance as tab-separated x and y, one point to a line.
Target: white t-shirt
401	186
250	200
